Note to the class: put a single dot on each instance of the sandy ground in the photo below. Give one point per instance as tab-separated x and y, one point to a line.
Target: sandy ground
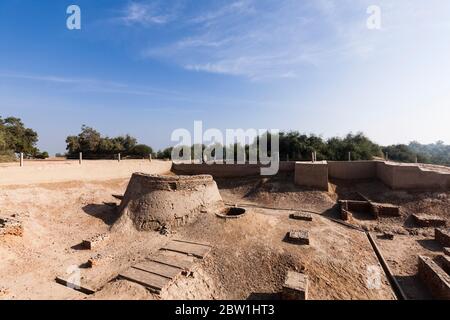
249	258
70	170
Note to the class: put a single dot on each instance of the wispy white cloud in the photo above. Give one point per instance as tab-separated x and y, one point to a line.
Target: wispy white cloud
119	88
261	39
256	39
145	13
240	7
88	84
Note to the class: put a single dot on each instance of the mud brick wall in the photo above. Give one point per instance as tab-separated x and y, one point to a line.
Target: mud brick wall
436	279
407	177
442	236
352	170
227	170
312	174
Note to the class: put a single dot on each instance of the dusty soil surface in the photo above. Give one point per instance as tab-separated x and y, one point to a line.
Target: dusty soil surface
49	171
410	239
249	257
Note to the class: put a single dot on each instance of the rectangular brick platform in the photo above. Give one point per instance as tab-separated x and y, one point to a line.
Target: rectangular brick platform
426	220
295	286
305	216
298	237
385	210
434	277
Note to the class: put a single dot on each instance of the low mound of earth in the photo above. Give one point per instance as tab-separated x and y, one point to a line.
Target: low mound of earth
155	201
276	192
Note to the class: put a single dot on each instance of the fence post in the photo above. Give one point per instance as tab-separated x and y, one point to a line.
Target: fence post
349	156
21	159
80	159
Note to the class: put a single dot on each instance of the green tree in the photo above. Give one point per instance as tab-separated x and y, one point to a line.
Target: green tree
17	138
141	150
93	146
165	154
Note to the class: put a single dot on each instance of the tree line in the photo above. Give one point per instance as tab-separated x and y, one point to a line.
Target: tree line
296	146
15	137
95	146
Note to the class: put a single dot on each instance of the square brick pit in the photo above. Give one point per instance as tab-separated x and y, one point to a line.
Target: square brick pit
300	237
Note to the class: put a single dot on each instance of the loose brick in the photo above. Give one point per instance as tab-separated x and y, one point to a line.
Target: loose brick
10	226
98	259
387	235
95	241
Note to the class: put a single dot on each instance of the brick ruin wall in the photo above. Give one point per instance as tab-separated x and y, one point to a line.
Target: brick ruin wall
395	176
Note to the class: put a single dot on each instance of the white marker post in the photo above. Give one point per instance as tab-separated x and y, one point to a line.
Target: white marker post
349	156
118	157
150	157
21	159
312	156
81	157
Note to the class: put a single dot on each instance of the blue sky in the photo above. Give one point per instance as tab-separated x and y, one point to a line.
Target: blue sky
149	67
